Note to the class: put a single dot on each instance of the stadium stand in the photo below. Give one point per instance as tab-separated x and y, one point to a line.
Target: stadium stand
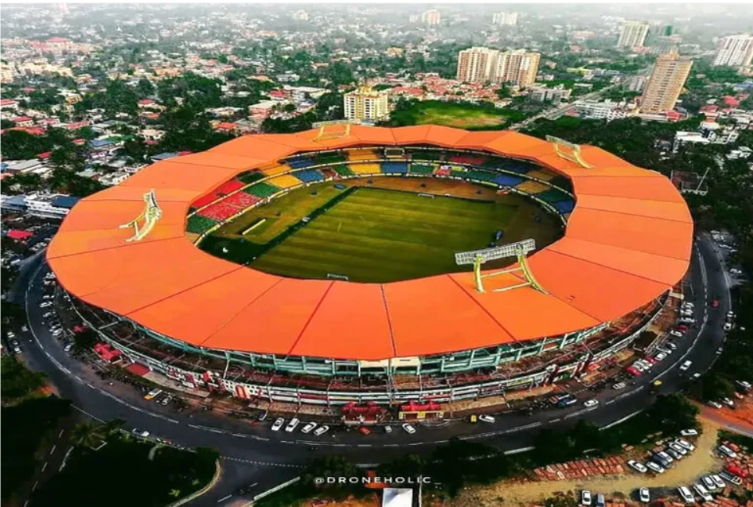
229	187
365	168
309	175
207	199
562	182
564	206
478	175
421	169
395	167
219	212
532	187
343	170
358	155
553	195
426	155
262	190
509	165
197	224
330	158
192	236
467	159
241	200
542	175
329	173
278	169
300	162
251	177
285	181
506	180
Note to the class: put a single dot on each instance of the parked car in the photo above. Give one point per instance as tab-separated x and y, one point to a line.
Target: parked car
166	400
321	430
678	448
703	492
486	418
307	429
687	445
675	455
655	467
718	482
686	365
140	433
708	483
153	394
731	478
727	326
727	451
278	424
292	425
590	403
618	386
388	429
409	429
600	501
689	433
644	495
685	494
585	497
363	430
714	404
638	467
262	416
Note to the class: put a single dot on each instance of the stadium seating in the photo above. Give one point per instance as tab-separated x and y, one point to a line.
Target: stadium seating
229	187
203	201
219	212
248	178
564	206
509	165
365	168
426	155
532	187
421	169
192	236
506	180
562	182
394	167
467	159
262	190
542	175
197	224
330	158
241	200
358	155
478	175
285	181
309	175
343	170
553	195
300	162
278	169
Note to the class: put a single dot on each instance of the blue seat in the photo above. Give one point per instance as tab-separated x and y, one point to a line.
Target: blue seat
300	162
309	175
505	180
564	206
395	167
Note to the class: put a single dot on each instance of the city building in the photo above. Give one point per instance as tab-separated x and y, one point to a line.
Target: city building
301	15
431	18
665	84
544	94
633	34
607	110
366	104
683	138
734	51
636	83
505	18
479	64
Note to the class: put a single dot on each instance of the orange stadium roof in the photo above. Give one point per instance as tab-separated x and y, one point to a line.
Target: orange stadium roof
627	241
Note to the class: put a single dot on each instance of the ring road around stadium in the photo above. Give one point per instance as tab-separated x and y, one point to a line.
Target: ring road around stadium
130	256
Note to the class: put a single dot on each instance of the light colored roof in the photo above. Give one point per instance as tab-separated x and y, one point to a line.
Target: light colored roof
628	240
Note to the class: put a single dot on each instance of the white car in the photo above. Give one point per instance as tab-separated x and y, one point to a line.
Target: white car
703	493
321	430
655	467
388	429
292	425
672	346
590	403
45	305
685	444
678	449
644	495
661	356
685	494
409	429
714	404
278	424
689	433
735	271
585	497
486	418
140	433
638	467
718	482
727	326
676	333
308	427
726	450
618	386
686	365
708	483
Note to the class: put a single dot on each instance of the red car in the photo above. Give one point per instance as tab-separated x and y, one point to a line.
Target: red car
715	303
736	470
650	359
632	371
364	430
682	328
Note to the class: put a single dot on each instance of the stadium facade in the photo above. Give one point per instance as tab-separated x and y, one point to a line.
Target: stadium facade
128	256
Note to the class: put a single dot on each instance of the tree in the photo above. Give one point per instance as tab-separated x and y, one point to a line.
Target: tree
144	87
85	340
87	434
715	387
18	381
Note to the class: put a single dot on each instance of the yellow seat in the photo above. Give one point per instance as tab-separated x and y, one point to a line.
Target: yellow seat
285	181
542	175
362	155
279	169
365	168
532	187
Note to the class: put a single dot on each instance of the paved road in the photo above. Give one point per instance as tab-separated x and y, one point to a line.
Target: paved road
261	453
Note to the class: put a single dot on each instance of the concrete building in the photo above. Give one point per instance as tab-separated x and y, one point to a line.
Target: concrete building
301	15
366	104
431	18
734	51
607	110
636	83
479	64
633	34
544	94
665	84
505	18
682	138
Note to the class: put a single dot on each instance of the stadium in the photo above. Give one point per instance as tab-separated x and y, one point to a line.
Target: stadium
366	264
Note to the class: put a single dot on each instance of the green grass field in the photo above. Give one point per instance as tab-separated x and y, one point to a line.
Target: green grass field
458	115
379	234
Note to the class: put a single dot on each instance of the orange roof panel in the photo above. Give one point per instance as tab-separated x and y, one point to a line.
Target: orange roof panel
411	135
674	211
655	188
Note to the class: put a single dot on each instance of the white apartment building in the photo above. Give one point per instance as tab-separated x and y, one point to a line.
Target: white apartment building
606	110
633	34
734	51
505	18
366	104
480	64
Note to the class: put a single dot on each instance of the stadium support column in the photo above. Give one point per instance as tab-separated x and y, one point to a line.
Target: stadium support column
541	347
477	272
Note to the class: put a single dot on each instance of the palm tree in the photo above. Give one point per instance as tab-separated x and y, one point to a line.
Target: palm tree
175	493
87	434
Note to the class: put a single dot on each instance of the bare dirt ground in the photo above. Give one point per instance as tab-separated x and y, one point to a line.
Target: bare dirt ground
699	462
